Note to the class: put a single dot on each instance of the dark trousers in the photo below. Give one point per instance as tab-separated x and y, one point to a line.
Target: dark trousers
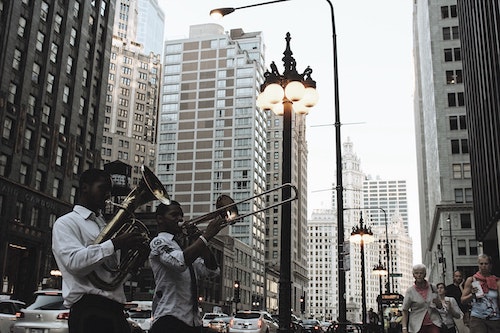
171	324
97	314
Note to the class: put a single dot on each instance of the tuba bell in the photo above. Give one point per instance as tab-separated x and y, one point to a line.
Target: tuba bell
150	188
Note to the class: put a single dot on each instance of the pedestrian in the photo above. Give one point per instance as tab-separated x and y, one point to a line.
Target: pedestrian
373	321
92	309
418	316
482	291
176	269
448	309
455	290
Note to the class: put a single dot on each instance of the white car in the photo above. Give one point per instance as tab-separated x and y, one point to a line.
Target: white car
141	313
253	322
207	317
8	309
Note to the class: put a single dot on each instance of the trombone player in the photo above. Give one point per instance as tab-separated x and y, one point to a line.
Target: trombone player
176	268
92	309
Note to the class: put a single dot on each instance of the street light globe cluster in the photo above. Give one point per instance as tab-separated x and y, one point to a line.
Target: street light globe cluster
298	90
361	234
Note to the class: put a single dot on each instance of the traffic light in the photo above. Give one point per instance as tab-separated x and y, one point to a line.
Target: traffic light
236	295
303	304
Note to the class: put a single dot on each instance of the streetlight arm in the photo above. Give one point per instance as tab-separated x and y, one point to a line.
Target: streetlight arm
228	10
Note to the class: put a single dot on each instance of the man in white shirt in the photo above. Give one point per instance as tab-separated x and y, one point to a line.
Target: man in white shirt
175	302
93	310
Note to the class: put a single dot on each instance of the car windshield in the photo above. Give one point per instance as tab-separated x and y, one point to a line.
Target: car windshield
247	315
47	302
310	322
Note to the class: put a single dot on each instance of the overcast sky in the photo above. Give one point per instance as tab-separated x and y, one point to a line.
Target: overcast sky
375	60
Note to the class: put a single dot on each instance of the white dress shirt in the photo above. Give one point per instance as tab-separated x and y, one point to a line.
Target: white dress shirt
76	255
173	294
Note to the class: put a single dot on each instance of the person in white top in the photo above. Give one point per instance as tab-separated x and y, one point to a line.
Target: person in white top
176	269
448	309
93	310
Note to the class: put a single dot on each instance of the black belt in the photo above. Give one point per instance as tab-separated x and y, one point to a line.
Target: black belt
98	301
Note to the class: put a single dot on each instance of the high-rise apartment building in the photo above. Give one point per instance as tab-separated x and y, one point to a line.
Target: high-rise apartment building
54	60
212	137
444	168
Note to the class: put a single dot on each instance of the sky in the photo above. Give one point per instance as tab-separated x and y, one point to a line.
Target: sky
376	82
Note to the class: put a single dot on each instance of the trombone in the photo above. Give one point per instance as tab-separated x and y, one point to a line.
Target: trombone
227	209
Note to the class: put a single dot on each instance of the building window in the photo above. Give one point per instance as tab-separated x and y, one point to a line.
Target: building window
21	27
55	188
72	37
465	221
448	11
44	11
35	74
24	174
450	33
16	61
458	123
3	165
42	151
473	247
454	76
57	23
462	247
66	93
31	105
39	178
456	99
59	156
7	128
459	146
28	136
39	41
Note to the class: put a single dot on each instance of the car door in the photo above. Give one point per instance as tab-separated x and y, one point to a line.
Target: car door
7	316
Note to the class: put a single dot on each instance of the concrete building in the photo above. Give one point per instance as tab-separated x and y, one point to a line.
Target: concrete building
479	38
212	138
444	169
54	60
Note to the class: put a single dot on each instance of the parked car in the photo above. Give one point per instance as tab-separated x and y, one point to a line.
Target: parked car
219	324
210	316
8	309
311	326
296	324
48	314
141	313
253	322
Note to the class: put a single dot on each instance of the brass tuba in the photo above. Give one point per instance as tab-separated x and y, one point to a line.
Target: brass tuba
149	189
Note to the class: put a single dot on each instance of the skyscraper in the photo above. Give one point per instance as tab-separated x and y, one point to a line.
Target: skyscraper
54	60
212	138
444	169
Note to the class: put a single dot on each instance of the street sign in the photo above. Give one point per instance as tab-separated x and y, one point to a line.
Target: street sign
396	274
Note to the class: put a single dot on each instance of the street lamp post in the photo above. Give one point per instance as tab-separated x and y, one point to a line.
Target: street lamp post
284	94
380	270
451	247
362	235
342	318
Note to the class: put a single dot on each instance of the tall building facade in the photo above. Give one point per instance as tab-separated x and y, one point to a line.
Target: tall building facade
54	60
212	137
479	37
133	91
322	293
444	168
